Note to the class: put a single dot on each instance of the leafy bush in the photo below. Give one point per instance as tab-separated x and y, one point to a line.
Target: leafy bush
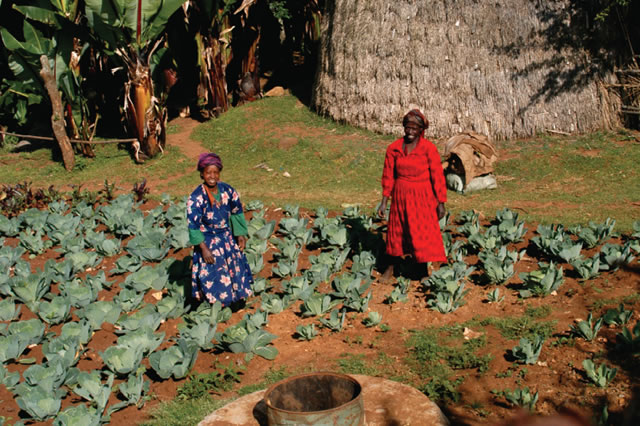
601	375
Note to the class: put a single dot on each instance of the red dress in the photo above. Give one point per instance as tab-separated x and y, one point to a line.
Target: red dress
415	182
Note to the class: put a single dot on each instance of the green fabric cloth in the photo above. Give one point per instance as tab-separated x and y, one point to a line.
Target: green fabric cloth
195	237
238	226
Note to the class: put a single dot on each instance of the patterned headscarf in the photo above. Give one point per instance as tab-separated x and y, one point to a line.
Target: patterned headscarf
209	159
417	117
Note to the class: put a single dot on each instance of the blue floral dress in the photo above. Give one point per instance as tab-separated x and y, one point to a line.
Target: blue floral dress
228	279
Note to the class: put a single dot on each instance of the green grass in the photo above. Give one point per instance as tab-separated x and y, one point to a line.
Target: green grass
270	377
329	164
111	164
436	354
563	179
571	180
527	325
183	412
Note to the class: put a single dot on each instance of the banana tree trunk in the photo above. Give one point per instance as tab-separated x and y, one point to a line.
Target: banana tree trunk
145	115
57	115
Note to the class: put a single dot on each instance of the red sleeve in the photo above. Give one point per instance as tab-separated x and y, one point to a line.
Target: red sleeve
437	175
388	173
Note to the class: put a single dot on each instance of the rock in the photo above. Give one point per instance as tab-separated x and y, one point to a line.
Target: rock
276	91
470	334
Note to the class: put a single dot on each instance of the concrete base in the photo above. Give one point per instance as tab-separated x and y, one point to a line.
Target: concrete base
385	403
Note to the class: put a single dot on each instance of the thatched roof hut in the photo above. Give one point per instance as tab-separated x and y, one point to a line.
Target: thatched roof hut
505	68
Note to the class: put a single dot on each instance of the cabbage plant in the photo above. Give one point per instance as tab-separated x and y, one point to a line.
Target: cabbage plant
78	415
527	351
40	403
587	268
150	245
90	387
541	282
335	322
122	359
55	311
615	255
499	266
8	310
176	360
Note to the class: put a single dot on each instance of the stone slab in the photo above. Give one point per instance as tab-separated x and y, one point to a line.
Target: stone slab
386	403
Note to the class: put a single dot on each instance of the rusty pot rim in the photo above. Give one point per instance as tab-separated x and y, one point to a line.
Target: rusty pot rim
317	373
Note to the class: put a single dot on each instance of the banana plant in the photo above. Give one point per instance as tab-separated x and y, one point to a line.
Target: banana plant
130	32
63	36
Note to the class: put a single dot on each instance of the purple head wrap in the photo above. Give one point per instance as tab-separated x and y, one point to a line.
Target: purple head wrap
209	159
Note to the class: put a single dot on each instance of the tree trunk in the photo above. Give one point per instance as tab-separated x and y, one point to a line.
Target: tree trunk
57	115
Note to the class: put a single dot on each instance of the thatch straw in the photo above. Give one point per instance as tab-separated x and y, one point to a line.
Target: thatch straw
502	68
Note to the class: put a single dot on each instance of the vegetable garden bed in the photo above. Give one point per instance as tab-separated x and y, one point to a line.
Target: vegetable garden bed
94	320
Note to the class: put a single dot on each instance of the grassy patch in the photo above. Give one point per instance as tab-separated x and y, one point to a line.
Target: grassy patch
568	179
200	385
328	164
435	354
627	300
183	412
527	325
270	377
111	163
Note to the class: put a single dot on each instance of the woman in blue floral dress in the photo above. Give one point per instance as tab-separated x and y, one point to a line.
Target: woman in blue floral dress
220	271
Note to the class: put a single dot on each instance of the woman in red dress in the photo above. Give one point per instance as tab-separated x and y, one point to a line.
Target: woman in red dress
412	177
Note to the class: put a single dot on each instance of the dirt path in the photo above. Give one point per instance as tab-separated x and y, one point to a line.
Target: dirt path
190	147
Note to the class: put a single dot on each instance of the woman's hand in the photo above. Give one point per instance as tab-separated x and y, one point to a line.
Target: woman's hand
206	253
242	242
382	210
440	210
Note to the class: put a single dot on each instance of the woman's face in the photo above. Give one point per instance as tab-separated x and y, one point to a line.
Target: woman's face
211	176
412	132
